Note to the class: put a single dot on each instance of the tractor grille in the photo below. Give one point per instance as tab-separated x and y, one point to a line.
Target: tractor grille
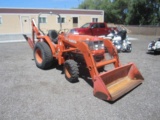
98	58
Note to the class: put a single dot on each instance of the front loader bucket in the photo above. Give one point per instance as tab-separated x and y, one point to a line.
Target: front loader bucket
116	83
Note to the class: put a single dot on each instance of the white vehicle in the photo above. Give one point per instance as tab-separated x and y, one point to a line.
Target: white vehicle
154	46
120	41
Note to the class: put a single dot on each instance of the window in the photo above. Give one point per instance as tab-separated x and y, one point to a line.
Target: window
0	20
62	20
94	19
75	20
94	26
86	25
101	25
42	20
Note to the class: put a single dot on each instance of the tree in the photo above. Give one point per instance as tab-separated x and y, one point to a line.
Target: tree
113	9
135	12
144	12
116	11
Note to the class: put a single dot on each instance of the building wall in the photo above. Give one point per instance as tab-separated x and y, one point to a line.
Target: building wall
21	23
10	24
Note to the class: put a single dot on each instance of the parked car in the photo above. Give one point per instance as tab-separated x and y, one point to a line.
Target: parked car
94	29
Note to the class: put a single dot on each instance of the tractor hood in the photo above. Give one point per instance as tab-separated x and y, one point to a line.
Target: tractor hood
94	43
76	37
80	31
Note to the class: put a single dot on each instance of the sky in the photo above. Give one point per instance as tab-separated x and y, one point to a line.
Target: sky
64	4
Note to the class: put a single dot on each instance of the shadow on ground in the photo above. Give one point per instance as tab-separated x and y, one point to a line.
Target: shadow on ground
153	53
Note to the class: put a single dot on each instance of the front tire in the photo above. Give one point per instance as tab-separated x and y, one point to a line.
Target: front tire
43	55
156	52
71	71
129	48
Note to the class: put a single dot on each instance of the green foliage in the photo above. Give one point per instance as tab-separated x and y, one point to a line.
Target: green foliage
144	12
135	12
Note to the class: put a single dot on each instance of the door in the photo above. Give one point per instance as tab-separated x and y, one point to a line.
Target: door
102	29
25	24
75	22
99	29
95	29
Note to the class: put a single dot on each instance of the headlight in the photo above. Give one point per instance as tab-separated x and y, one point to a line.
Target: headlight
74	32
101	45
95	45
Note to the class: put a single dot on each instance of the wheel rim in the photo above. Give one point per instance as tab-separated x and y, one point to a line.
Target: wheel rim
67	72
38	56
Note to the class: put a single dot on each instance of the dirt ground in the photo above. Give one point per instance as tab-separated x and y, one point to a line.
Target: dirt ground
28	93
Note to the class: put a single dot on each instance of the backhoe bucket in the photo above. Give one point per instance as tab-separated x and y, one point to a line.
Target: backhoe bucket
113	84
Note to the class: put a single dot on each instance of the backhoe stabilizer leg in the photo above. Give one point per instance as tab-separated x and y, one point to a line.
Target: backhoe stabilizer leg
30	41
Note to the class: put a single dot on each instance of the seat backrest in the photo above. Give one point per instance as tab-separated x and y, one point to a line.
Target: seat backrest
53	35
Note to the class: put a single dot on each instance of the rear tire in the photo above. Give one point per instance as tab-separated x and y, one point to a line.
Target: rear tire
43	55
71	71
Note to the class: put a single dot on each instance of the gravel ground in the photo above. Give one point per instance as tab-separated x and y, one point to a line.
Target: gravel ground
28	93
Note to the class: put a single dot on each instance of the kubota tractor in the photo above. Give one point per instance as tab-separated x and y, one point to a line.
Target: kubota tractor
73	51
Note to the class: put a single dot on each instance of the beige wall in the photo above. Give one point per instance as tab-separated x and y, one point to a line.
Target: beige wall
20	23
10	24
144	30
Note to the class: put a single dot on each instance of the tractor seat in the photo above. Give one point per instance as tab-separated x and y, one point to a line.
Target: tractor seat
53	35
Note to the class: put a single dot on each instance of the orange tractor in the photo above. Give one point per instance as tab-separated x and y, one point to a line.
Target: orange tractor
73	51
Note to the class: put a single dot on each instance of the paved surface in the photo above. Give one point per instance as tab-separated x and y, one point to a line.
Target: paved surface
28	93
9	38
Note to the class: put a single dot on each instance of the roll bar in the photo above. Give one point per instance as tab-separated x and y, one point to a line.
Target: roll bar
50	13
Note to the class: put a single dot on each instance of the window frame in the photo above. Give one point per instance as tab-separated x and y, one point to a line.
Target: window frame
93	19
75	20
1	21
44	21
63	20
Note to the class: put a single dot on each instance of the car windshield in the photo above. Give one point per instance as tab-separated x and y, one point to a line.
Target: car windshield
85	25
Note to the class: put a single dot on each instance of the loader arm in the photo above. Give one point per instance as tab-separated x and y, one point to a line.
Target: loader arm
112	51
78	45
